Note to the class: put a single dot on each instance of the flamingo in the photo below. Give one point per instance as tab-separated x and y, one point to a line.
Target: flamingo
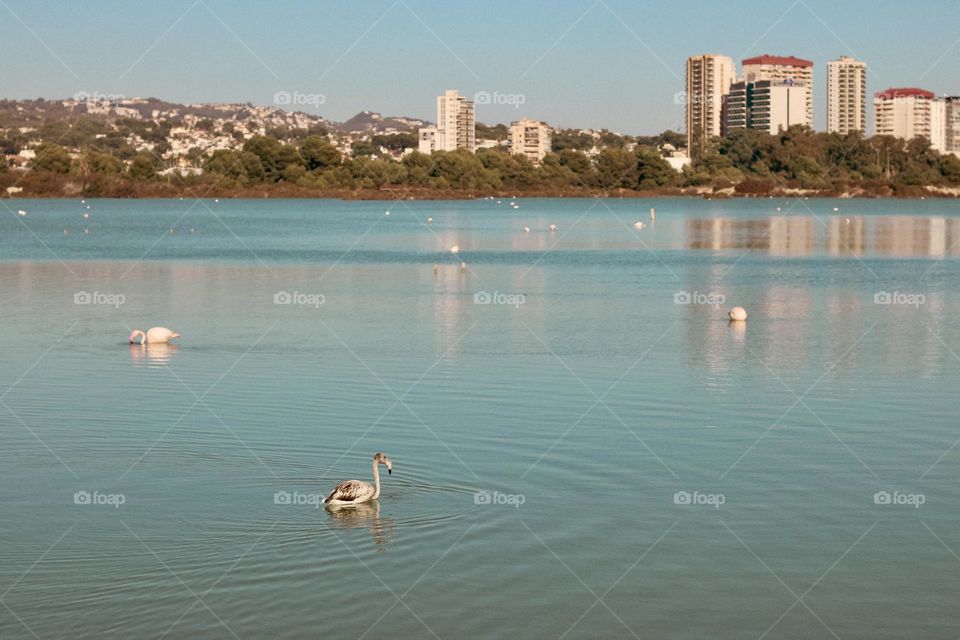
356	491
156	335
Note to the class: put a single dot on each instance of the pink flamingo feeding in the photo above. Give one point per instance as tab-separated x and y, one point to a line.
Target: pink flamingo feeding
156	335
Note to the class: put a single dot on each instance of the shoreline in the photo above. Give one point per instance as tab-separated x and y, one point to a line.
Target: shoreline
391	195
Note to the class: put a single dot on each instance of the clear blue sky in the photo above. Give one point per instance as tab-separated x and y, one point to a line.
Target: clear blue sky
604	63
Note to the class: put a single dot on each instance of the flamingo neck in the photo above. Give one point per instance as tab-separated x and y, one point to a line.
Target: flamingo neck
376	481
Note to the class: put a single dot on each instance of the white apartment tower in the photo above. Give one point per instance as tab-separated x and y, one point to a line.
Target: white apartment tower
770	106
907	113
456	124
709	78
846	95
767	67
952	118
530	138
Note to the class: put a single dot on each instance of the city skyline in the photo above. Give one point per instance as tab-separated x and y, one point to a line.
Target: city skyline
390	56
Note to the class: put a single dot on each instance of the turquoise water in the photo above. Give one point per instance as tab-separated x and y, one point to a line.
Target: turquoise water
581	456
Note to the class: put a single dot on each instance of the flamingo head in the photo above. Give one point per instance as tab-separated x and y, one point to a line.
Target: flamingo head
380	458
134	334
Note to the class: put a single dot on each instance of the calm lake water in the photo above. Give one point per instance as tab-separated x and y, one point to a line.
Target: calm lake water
583	446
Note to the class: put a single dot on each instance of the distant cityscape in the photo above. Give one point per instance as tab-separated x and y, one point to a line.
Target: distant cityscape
774	93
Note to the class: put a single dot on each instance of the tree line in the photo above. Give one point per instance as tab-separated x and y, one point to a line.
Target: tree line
744	161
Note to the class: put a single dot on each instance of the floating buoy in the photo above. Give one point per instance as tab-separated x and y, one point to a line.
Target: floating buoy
738	314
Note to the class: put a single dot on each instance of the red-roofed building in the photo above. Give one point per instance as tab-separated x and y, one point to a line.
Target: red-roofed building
909	113
906	92
777	61
797	70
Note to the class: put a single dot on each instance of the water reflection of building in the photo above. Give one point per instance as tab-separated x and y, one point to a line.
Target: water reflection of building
915	237
894	236
778	236
846	236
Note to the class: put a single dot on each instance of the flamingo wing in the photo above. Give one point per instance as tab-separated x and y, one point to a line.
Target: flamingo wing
350	491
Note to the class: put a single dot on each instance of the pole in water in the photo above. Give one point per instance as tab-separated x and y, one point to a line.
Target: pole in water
653	214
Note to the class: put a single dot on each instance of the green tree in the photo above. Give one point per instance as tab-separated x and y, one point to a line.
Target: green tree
51	157
318	153
143	166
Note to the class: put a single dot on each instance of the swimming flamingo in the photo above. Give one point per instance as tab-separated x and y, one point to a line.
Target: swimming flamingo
355	491
153	336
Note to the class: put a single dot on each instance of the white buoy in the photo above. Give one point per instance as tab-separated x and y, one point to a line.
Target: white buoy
738	314
553	227
455	249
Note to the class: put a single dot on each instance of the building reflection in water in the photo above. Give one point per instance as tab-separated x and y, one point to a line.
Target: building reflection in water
794	236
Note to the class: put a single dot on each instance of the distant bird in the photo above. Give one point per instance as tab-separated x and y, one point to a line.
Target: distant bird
356	491
156	335
22	213
553	227
463	267
455	249
638	225
86	232
386	213
429	220
526	229
86	216
836	208
216	199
